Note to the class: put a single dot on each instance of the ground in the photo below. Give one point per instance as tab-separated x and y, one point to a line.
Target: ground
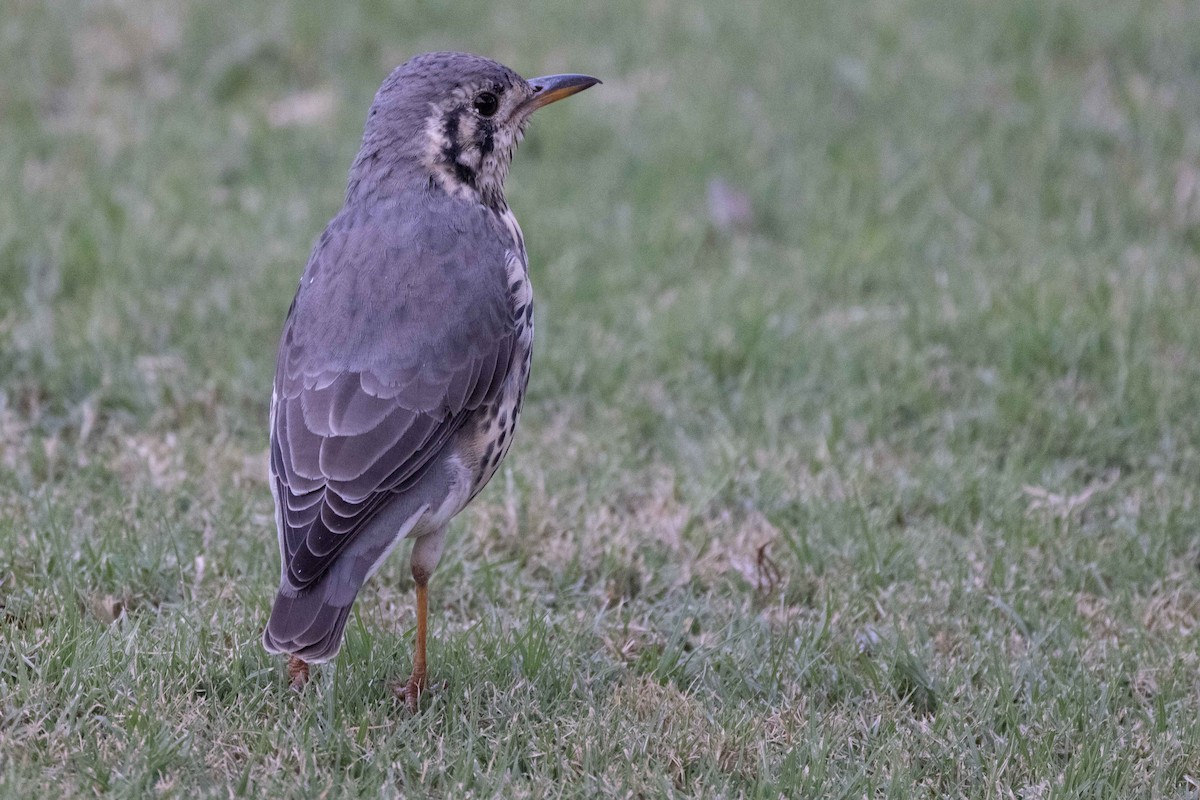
861	455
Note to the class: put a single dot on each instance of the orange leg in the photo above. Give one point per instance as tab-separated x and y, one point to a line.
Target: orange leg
411	691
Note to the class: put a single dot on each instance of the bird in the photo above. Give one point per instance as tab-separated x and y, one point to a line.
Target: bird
405	354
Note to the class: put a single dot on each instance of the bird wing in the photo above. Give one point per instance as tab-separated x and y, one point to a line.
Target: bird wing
397	333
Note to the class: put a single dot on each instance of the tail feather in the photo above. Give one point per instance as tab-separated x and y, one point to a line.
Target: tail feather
309	623
306	625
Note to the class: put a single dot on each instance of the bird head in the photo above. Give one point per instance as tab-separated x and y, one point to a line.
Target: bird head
455	119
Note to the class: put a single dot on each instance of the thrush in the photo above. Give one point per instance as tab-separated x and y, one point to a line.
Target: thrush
405	355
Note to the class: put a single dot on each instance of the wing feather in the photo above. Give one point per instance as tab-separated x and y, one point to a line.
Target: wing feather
399	331
345	458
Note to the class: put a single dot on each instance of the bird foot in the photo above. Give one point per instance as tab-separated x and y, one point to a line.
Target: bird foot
412	690
297	669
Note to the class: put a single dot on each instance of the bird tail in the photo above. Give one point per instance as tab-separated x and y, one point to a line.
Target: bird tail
307	624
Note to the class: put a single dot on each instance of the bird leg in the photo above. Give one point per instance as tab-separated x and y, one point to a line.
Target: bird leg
425	554
297	669
411	691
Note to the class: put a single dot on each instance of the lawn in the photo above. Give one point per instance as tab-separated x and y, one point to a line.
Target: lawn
861	455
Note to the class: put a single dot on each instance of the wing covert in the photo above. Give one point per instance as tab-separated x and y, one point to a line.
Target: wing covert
396	335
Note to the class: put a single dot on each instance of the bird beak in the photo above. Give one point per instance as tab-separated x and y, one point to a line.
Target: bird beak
550	88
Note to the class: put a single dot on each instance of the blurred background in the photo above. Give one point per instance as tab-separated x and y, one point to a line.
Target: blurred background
861	448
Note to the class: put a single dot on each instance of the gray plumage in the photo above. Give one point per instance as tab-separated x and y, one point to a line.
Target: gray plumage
405	355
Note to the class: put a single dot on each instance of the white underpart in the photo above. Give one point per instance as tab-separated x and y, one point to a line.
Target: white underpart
502	426
427	522
520	268
401	535
456	498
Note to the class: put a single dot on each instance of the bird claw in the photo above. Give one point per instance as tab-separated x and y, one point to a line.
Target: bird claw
412	690
297	670
410	693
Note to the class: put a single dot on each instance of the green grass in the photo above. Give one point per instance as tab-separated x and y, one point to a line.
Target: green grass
946	372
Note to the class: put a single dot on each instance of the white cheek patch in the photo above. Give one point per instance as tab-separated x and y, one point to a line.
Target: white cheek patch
468	153
470	158
457	155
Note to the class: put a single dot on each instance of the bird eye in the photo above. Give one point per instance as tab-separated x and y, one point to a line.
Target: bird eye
486	104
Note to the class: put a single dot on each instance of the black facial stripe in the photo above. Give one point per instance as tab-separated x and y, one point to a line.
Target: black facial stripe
464	173
450	132
489	143
451	151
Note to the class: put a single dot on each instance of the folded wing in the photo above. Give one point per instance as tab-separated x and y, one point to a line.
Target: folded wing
396	335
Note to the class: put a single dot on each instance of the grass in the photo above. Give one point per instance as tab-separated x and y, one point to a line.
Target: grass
874	475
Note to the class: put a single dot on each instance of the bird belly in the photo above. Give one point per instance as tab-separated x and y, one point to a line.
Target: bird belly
495	423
